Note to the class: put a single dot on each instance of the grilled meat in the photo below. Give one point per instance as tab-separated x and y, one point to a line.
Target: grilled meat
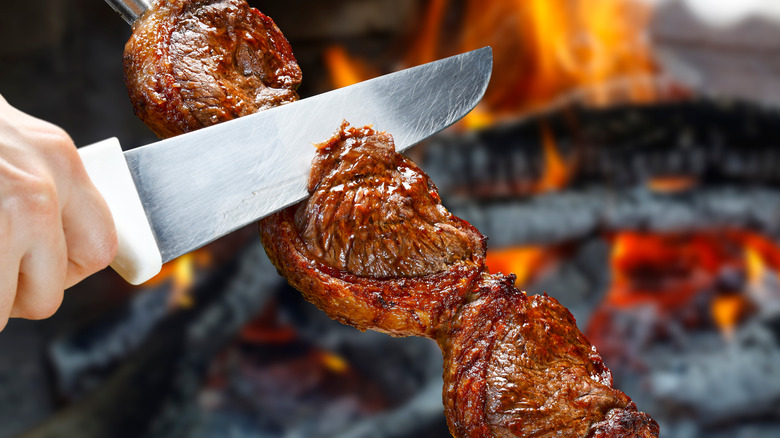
195	63
373	246
517	366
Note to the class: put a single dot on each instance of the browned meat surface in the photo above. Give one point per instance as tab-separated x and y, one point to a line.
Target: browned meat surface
374	213
194	63
518	366
373	246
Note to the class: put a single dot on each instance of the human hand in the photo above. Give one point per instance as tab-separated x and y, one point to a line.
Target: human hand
55	228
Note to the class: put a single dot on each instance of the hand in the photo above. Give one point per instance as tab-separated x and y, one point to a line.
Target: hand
55	228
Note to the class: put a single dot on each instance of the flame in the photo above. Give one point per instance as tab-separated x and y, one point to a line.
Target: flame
427	44
181	272
762	260
545	49
525	262
556	171
334	362
727	311
754	265
344	69
761	253
663	270
671	184
668	271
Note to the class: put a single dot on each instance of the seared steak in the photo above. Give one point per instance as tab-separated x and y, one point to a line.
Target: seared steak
194	63
517	366
373	246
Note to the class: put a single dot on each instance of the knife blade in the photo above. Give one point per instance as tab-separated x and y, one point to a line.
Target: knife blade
199	186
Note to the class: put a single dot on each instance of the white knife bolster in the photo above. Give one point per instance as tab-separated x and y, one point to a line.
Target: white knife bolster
138	257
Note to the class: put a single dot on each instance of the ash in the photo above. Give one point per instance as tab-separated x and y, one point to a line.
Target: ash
720	385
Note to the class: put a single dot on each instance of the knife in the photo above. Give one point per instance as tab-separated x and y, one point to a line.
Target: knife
176	195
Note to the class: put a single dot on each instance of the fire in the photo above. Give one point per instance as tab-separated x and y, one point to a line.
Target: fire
526	262
547	49
762	262
664	270
181	273
556	170
688	279
672	184
727	311
544	51
345	70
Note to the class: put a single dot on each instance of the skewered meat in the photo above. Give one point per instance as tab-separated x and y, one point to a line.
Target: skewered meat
194	63
373	246
514	365
518	366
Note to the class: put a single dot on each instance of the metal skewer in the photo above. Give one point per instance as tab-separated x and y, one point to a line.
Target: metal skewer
130	10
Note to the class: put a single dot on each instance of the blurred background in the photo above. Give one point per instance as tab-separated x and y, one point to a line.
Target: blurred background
624	160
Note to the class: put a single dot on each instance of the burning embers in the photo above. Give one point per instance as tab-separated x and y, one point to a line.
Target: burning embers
694	317
666	285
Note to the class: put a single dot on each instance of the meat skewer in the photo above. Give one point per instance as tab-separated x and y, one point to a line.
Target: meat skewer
129	10
373	246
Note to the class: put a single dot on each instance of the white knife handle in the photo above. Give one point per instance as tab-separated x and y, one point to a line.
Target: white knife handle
137	258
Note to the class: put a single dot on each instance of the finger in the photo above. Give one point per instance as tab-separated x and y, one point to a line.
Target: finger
41	282
90	235
87	222
42	268
9	277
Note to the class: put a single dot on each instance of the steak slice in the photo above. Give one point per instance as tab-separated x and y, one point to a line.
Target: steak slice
373	246
195	63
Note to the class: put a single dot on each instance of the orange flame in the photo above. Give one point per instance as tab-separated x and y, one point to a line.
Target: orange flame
526	262
667	270
181	272
727	311
545	49
344	69
754	265
762	259
556	171
671	184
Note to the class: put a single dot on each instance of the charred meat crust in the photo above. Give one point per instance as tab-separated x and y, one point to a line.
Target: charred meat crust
195	63
519	366
625	423
374	213
373	247
400	307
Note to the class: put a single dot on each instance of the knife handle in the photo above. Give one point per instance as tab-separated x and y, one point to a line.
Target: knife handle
138	258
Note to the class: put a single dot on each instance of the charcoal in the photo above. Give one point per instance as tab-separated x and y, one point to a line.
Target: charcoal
574	214
162	376
724	384
715	141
